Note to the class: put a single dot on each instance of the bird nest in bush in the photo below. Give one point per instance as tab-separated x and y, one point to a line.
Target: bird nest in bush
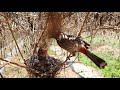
46	67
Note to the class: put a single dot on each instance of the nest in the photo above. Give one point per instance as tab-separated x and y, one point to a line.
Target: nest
46	67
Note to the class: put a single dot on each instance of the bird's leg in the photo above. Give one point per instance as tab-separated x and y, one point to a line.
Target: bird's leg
71	55
68	57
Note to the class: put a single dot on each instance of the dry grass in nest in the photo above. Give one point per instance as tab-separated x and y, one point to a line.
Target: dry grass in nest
45	68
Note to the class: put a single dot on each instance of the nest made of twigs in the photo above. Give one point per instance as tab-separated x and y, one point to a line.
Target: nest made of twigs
47	67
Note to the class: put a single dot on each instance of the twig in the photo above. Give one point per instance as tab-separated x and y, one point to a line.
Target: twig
70	14
4	65
93	34
63	64
119	51
71	63
76	62
19	65
1	75
83	24
106	28
14	37
13	63
38	41
1	43
2	15
20	25
66	59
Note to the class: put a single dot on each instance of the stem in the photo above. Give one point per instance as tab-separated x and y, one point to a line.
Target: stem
19	65
14	38
83	23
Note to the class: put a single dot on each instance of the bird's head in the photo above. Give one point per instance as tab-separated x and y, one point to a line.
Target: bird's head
42	52
61	36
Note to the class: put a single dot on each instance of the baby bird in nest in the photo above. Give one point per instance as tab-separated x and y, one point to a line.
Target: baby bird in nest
46	65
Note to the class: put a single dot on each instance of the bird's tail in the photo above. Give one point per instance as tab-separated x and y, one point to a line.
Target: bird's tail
98	61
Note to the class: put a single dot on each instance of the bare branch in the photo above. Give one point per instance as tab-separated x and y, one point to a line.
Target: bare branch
83	24
7	21
38	42
1	75
26	67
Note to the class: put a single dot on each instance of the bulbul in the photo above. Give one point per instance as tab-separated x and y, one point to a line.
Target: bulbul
71	37
74	45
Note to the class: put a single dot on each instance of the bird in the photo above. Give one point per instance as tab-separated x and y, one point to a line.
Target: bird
73	40
73	45
79	39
